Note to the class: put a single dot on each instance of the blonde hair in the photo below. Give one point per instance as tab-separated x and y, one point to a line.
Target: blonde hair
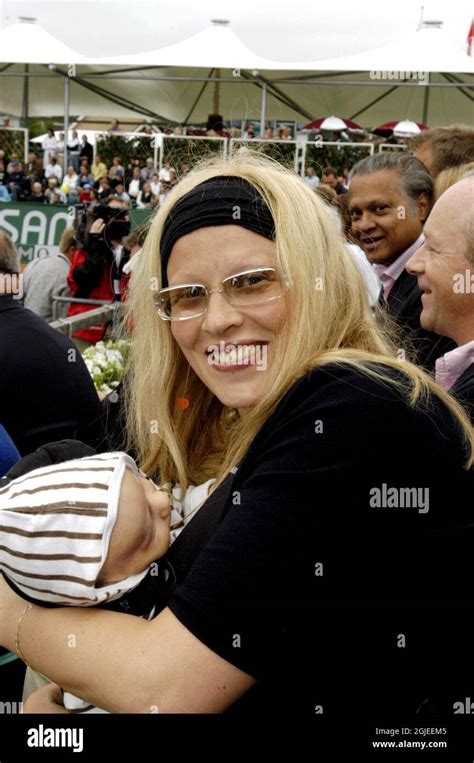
68	239
332	324
449	177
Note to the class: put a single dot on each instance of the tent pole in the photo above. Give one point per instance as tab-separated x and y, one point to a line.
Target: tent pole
263	109
276	93
372	103
26	97
452	79
216	96
426	101
188	115
66	121
119	100
286	98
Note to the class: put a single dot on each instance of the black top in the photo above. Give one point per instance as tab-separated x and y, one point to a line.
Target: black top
46	392
312	576
463	390
86	151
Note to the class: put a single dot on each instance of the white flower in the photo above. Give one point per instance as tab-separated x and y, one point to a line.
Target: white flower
106	364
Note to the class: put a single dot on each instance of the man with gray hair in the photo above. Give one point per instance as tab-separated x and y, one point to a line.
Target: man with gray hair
46	392
444	266
147	171
46	277
390	198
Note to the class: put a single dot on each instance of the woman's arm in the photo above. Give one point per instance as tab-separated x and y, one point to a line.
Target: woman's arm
122	663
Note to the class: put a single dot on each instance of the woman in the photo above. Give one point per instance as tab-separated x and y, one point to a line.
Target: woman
50	145
264	369
85	177
70	185
116	171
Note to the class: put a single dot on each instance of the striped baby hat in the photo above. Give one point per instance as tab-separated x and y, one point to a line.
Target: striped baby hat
55	529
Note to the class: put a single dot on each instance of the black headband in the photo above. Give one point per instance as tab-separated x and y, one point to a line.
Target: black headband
222	200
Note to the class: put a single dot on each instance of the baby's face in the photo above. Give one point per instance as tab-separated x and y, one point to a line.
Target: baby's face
142	530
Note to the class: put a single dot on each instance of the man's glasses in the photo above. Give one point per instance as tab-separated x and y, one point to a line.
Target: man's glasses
190	300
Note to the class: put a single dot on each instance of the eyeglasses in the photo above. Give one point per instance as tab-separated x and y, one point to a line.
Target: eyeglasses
247	289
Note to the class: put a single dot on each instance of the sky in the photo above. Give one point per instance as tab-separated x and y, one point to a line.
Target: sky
276	29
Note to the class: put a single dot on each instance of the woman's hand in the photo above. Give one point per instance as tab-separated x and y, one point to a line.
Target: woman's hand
48	699
97	227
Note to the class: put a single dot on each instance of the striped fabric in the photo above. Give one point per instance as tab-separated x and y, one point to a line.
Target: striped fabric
55	528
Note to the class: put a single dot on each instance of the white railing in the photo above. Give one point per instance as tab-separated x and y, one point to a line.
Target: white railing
391	147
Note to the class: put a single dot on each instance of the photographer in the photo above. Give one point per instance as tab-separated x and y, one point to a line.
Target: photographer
96	267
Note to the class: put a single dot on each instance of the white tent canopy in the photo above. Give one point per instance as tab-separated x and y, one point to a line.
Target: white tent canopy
30	41
298	91
217	46
429	49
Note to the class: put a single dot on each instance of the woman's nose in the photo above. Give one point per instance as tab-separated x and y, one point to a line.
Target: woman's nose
220	315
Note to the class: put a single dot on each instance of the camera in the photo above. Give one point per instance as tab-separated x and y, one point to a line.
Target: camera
115	218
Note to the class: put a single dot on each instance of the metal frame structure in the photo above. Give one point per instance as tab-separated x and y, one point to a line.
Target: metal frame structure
268	86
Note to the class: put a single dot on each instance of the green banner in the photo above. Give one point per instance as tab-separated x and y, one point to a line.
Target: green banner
36	229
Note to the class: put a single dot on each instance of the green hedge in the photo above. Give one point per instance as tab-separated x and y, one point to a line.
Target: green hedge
281	152
12	142
177	150
126	147
339	156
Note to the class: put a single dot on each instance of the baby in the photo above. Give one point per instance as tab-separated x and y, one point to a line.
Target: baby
85	532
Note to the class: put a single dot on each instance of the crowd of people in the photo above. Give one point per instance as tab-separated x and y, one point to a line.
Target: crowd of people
87	180
355	285
44	179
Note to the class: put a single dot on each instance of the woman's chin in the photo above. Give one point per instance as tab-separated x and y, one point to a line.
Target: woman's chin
244	397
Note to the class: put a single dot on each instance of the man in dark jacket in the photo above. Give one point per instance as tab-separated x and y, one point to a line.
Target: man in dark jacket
390	198
444	266
46	392
86	151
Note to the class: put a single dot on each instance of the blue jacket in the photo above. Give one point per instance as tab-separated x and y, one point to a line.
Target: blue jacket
9	454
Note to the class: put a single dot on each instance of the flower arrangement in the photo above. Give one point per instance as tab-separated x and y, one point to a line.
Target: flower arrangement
107	363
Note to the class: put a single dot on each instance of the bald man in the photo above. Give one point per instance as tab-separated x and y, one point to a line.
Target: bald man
444	265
